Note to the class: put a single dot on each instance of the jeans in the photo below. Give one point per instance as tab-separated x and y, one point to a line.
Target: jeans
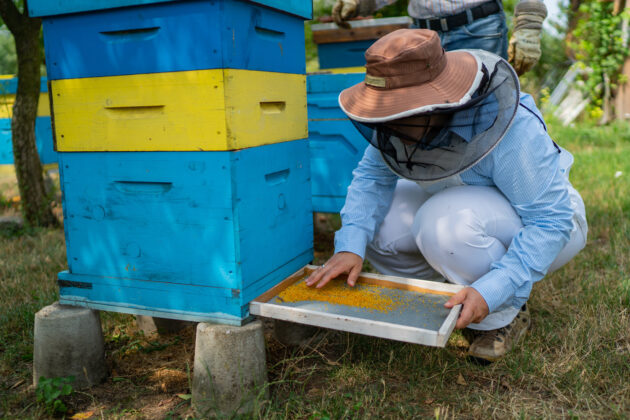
489	34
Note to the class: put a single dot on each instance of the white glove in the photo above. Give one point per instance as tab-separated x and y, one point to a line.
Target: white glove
524	48
347	9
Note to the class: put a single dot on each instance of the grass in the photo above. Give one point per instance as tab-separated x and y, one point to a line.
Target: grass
574	363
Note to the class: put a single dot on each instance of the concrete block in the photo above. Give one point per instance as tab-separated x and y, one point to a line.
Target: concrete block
68	341
11	224
230	372
151	325
292	334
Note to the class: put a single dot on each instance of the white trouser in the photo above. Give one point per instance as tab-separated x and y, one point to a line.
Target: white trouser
456	234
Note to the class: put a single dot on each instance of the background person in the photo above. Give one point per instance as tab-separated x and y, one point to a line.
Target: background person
468	24
460	182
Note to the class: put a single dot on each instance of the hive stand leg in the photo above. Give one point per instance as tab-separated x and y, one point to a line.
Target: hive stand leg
230	372
151	325
68	341
292	334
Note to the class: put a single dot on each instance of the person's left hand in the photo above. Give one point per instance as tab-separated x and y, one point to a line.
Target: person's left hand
474	309
524	47
524	50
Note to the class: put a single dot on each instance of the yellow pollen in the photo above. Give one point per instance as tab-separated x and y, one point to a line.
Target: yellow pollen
338	292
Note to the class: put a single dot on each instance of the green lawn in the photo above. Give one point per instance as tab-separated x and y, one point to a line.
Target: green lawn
574	363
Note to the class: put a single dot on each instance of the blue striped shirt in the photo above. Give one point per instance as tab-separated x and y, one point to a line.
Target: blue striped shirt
525	166
425	9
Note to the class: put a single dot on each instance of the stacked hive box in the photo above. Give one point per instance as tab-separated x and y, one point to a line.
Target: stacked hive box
336	146
43	130
180	127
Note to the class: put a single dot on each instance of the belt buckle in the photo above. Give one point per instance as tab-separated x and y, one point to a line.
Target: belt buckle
444	24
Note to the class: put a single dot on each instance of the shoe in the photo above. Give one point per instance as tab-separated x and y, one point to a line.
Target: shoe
490	346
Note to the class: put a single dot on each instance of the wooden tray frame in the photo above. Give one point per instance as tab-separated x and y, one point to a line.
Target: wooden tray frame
261	307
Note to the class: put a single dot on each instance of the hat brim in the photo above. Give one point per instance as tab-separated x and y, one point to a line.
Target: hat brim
451	88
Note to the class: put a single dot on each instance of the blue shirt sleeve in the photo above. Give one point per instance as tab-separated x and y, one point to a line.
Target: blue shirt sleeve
525	167
367	202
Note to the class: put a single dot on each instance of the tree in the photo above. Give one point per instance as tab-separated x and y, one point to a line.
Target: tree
28	168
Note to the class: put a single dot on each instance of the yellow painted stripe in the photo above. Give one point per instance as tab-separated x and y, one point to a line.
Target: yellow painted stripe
219	109
7	169
10	168
7	101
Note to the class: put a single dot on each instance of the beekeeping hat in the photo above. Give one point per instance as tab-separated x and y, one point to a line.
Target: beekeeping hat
431	113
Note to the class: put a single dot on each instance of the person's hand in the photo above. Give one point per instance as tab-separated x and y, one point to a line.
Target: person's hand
524	50
524	47
344	10
340	263
474	309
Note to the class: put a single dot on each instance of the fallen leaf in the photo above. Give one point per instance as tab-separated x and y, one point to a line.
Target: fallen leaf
461	380
83	416
429	401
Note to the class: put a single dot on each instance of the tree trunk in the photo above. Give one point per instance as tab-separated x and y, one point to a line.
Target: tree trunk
573	18
28	168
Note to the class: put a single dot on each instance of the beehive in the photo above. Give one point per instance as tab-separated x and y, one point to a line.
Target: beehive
181	133
335	144
43	129
341	47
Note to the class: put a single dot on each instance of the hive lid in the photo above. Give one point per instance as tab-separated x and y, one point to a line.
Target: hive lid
360	30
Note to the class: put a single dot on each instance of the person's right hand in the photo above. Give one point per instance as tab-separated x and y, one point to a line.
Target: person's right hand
340	263
344	10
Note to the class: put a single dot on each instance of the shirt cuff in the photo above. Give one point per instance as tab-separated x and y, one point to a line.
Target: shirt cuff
496	288
351	239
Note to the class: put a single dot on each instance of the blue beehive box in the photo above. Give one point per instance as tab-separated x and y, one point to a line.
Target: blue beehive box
43	128
335	144
174	36
186	235
340	47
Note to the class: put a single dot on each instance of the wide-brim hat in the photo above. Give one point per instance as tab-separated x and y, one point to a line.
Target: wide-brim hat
462	104
407	73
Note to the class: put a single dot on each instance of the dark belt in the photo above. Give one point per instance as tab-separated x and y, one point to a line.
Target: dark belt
447	23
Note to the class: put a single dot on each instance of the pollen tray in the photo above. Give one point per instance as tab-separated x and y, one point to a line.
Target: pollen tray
389	307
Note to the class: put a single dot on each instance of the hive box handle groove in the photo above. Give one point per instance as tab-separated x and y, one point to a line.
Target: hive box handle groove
143	187
272	107
139	34
274	178
269	33
139	111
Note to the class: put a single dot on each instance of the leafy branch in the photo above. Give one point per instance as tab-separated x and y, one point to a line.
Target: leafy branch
600	48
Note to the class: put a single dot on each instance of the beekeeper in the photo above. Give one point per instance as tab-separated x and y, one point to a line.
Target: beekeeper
460	182
468	24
